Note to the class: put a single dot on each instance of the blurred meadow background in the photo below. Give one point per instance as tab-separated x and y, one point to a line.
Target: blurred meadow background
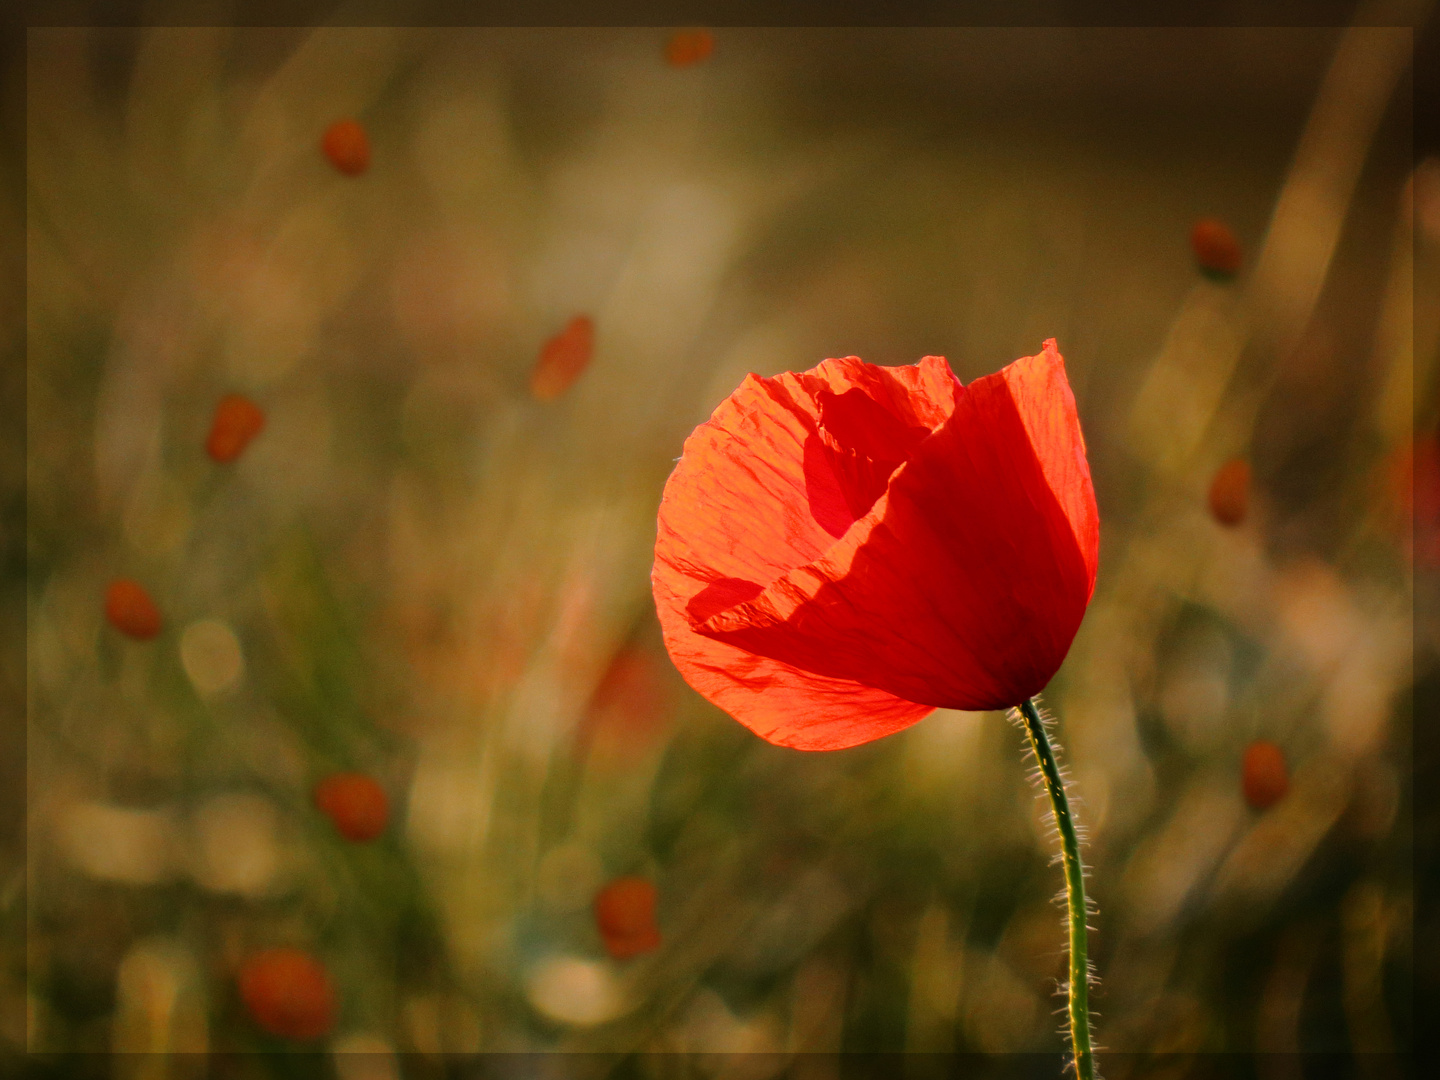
429	569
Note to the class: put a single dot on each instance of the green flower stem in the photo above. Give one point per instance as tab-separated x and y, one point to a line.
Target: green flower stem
1074	893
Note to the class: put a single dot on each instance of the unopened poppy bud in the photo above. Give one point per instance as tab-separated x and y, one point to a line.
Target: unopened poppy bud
1263	776
237	421
347	146
688	47
1216	249
625	917
130	610
288	993
355	803
563	358
1229	496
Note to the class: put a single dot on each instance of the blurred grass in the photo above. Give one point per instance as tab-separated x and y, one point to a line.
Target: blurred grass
429	574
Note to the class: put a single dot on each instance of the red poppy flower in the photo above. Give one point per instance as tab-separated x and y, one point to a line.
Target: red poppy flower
289	993
687	47
841	551
1216	249
1229	495
355	803
563	358
237	421
347	146
130	610
625	917
1263	776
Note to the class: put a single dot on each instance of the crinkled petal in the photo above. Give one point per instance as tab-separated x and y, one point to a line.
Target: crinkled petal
751	499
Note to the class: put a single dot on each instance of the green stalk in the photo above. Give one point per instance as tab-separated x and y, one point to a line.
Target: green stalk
1079	989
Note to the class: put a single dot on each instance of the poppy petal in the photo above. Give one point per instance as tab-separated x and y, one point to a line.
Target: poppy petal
753	497
781	703
922	598
741	503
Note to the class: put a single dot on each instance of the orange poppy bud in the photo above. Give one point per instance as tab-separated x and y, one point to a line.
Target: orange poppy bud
563	358
355	803
130	610
1216	249
1230	492
688	47
288	993
1263	777
625	916
347	146
237	421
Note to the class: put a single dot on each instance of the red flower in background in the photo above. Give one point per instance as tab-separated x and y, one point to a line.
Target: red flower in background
347	146
1263	776
841	551
237	421
625	917
355	803
687	47
1216	249
130	610
289	993
1229	495
563	359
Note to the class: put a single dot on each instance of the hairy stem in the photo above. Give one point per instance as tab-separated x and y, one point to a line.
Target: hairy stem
1079	988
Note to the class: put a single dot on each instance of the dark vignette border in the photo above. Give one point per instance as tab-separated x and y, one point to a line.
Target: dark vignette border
498	1066
14	19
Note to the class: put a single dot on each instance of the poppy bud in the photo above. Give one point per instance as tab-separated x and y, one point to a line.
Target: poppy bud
347	146
563	358
237	421
688	47
288	993
1263	775
130	610
1216	249
355	803
1230	492
625	916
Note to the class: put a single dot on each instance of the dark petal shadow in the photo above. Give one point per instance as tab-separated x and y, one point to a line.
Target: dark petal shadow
828	504
721	595
860	423
850	459
842	483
